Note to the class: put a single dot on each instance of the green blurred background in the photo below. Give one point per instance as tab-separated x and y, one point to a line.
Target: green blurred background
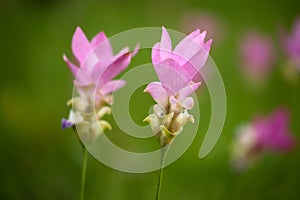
40	161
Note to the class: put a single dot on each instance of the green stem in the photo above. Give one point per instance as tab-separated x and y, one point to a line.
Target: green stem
161	170
83	172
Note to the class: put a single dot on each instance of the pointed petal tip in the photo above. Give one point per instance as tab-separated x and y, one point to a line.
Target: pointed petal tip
78	30
136	49
146	120
209	41
204	32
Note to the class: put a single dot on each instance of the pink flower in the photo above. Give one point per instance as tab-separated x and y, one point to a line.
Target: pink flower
175	70
264	134
290	43
96	63
94	72
257	54
273	133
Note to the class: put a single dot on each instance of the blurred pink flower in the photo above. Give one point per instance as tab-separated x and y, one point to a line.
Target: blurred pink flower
273	133
290	43
264	134
175	70
257	55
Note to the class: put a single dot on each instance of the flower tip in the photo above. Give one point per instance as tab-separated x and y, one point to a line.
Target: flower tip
146	90
65	58
104	125
208	44
70	102
136	50
209	41
198	83
147	119
78	29
66	124
192	119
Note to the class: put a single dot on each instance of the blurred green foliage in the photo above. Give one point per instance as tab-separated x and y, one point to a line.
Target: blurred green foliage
40	161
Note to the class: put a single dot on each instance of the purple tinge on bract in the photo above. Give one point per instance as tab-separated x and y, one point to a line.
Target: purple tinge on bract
66	123
273	133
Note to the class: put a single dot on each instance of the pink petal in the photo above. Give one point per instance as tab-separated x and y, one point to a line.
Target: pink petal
82	78
196	62
188	47
97	39
80	45
136	50
101	65
207	45
162	50
155	54
172	76
73	68
186	91
118	64
165	44
158	93
102	47
112	86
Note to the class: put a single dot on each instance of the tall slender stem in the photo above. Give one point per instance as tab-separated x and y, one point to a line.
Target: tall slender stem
161	170
83	172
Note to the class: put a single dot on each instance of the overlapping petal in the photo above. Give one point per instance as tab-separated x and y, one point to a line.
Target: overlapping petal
186	91
158	93
112	86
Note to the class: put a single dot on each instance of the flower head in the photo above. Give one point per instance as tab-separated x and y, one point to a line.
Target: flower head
94	72
97	65
263	134
273	133
175	70
257	54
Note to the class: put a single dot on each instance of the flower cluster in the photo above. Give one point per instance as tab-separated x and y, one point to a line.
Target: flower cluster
97	66
175	70
263	134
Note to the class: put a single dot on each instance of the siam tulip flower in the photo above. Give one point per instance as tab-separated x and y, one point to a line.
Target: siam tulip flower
262	135
257	55
94	72
290	43
175	70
